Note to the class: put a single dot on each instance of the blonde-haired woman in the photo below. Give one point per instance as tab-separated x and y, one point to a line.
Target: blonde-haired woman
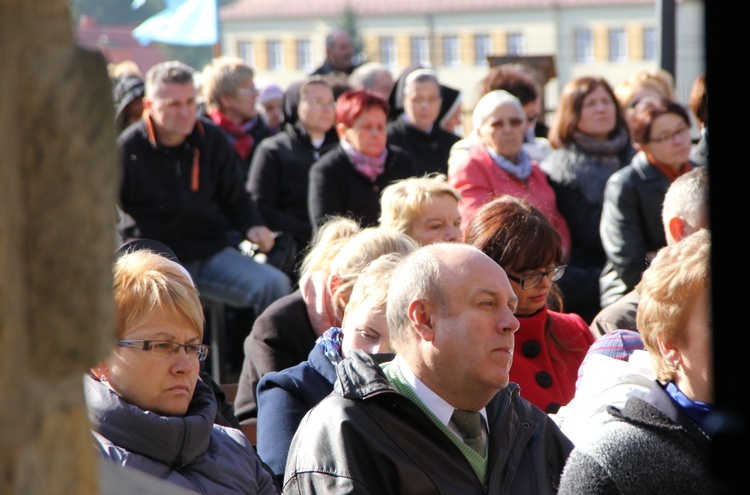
670	423
424	208
149	409
285	397
283	335
644	84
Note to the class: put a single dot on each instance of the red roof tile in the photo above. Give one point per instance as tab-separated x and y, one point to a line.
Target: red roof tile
264	9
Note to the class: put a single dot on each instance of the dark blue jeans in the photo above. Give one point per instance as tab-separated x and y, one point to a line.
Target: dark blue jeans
238	280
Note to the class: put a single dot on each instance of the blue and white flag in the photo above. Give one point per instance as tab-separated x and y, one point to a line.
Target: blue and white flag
183	22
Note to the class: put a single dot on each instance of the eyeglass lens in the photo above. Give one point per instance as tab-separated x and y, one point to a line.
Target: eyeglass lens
670	137
533	280
510	122
165	347
320	103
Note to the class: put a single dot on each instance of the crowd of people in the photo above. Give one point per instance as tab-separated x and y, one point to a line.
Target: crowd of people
513	308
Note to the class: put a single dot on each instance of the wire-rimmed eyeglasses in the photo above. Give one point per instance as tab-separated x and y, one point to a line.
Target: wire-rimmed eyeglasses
167	348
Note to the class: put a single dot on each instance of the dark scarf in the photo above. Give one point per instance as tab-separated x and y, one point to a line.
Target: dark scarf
598	160
607	152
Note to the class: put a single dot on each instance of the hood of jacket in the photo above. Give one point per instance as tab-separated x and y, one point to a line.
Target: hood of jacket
172	440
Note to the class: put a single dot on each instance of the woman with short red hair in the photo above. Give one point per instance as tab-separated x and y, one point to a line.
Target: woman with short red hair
348	180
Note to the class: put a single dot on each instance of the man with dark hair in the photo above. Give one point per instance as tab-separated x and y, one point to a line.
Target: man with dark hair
441	417
182	182
339	54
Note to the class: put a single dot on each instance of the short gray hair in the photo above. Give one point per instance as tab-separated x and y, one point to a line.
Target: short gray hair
417	276
366	74
331	37
490	102
687	197
172	72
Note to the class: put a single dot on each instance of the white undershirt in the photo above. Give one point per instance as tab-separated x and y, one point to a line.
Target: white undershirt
436	404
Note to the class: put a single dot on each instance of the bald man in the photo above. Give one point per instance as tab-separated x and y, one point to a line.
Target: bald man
339	54
442	416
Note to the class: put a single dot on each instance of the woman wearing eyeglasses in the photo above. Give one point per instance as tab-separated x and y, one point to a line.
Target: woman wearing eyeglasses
149	409
631	226
550	346
348	180
499	165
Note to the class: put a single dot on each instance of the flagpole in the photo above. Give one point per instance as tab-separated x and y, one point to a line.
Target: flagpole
217	46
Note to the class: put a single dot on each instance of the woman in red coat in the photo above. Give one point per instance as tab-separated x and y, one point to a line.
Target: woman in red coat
498	164
550	346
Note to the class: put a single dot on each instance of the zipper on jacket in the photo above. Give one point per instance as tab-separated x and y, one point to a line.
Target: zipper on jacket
178	464
192	480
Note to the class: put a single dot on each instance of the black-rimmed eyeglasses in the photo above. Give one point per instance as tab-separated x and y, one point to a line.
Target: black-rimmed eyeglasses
531	281
167	348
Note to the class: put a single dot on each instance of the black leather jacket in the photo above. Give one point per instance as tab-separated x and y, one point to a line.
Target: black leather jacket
367	438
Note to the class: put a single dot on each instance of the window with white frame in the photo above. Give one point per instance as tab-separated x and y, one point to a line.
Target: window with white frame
388	52
246	51
420	50
482	48
516	44
649	44
618	45
275	55
584	40
304	55
451	51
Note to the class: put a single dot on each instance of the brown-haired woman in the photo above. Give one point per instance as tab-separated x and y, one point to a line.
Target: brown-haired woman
631	227
550	346
591	142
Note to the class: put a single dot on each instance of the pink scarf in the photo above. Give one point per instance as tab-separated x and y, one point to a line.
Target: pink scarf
369	166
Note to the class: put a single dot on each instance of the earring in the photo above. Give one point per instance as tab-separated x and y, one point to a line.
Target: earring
676	363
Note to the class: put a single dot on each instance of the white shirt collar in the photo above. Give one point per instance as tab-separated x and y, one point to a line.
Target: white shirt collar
436	404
